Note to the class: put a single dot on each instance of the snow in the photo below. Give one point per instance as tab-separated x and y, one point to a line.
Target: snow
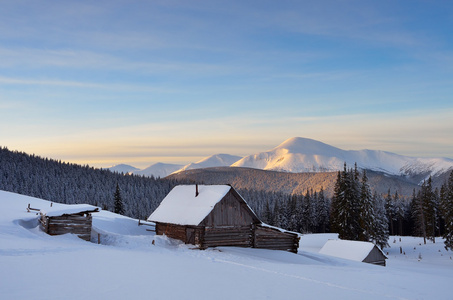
123	168
216	160
159	170
133	263
353	250
298	154
59	209
181	206
307	155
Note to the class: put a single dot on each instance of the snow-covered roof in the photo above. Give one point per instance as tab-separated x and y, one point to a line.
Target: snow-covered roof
353	250
182	207
68	210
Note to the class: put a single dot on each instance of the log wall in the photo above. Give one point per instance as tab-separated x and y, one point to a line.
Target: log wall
240	236
75	224
187	234
274	239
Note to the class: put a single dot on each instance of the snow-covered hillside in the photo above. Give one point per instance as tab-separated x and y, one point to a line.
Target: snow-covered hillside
123	168
156	170
132	262
159	170
163	169
216	160
307	155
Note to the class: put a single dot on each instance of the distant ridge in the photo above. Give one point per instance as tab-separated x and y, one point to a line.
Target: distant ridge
123	168
297	155
306	155
216	160
159	170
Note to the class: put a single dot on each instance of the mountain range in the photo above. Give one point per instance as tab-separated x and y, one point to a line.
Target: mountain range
297	155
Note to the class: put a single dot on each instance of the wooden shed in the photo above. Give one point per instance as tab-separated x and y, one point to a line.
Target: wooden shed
354	250
216	215
74	219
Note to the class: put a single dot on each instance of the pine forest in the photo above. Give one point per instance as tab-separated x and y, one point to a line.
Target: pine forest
354	211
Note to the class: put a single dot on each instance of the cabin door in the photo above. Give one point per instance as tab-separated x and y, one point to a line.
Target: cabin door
190	236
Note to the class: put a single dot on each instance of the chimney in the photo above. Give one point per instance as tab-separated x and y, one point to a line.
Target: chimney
196	190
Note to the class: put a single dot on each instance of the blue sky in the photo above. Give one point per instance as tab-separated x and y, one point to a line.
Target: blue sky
140	82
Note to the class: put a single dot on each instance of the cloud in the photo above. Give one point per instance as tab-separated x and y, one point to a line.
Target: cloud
415	133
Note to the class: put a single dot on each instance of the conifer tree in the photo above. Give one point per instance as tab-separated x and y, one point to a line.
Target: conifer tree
366	212
429	207
337	198
417	215
118	201
447	211
345	205
380	234
399	212
323	211
390	211
267	216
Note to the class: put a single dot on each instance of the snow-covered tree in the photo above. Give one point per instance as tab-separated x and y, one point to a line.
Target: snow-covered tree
446	198
366	211
345	205
118	201
380	232
390	211
429	206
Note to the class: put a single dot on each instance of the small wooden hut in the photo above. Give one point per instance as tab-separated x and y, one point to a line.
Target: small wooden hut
216	215
74	219
354	250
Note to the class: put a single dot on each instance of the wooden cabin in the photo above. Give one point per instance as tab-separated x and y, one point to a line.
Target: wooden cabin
354	250
216	215
75	219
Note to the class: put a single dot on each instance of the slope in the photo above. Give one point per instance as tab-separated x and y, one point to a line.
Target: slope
158	170
216	160
131	264
289	183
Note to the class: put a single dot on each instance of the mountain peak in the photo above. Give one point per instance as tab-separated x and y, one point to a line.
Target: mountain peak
307	155
307	146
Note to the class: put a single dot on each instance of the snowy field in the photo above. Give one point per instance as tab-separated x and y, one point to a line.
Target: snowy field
132	263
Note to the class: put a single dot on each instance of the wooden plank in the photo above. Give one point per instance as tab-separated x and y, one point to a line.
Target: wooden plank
227	235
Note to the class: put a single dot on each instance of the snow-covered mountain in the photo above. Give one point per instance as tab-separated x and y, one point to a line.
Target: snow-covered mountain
123	168
306	155
159	170
216	160
298	155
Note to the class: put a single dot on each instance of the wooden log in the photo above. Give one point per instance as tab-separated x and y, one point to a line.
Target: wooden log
215	236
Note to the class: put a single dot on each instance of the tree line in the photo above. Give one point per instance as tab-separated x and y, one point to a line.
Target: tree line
354	211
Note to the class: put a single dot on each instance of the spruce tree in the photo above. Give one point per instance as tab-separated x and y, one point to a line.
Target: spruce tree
345	205
268	216
380	233
447	211
118	201
390	211
337	198
429	207
323	211
399	212
366	211
417	215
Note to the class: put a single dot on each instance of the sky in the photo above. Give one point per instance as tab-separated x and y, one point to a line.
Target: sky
140	82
